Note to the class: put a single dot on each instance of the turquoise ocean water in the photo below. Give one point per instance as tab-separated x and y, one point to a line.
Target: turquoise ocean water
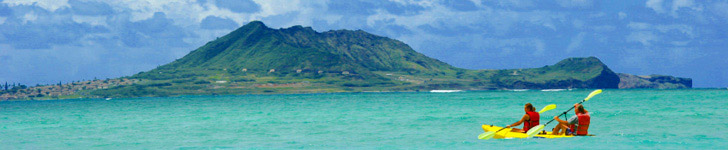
621	119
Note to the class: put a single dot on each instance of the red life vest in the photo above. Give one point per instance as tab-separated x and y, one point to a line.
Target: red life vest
583	126
532	121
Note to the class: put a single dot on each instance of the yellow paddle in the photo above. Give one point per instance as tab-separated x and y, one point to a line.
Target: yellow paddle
488	135
547	108
535	130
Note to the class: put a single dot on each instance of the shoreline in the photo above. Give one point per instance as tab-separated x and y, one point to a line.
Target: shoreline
379	92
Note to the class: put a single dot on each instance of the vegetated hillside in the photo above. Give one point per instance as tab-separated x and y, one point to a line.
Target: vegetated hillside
255	47
256	59
587	72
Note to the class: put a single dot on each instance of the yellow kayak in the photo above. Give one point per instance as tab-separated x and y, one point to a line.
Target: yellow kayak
507	134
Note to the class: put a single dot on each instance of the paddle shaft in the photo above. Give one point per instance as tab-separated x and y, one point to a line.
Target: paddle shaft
499	130
567	111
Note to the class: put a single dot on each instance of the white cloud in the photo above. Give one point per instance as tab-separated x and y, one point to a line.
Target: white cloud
637	59
639	25
683	55
677	4
274	7
423	3
212	10
51	5
92	20
604	28
183	12
498	23
29	17
512	46
644	37
66	63
516	3
681	28
578	23
660	6
622	15
576	3
540	47
575	42
425	17
305	12
655	5
719	8
680	43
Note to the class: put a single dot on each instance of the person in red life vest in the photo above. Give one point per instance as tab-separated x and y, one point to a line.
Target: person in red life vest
529	120
576	125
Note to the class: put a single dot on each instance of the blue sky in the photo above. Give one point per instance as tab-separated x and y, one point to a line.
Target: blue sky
47	41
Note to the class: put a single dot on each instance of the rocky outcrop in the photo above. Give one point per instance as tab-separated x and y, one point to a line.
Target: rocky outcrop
628	81
606	79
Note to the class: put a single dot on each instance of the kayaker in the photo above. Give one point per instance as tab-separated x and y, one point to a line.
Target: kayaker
529	120
576	125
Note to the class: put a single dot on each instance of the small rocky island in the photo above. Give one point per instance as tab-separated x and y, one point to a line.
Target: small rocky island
256	59
628	81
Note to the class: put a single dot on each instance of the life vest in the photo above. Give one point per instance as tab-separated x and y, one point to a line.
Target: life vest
532	121
583	126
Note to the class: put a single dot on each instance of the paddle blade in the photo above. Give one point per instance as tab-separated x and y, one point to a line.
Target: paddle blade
535	130
486	135
595	92
547	108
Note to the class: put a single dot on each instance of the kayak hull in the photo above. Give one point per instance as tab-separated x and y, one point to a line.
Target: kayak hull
507	134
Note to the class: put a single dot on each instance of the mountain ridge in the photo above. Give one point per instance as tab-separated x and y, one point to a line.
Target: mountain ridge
298	47
256	59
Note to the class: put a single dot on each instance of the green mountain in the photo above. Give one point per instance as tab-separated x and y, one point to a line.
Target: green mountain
256	47
257	59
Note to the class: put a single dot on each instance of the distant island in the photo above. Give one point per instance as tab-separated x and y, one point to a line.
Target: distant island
256	59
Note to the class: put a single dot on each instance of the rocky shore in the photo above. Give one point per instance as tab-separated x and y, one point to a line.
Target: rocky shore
628	81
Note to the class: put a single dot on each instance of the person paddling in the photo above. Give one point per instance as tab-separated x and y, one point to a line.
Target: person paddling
529	120
576	125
